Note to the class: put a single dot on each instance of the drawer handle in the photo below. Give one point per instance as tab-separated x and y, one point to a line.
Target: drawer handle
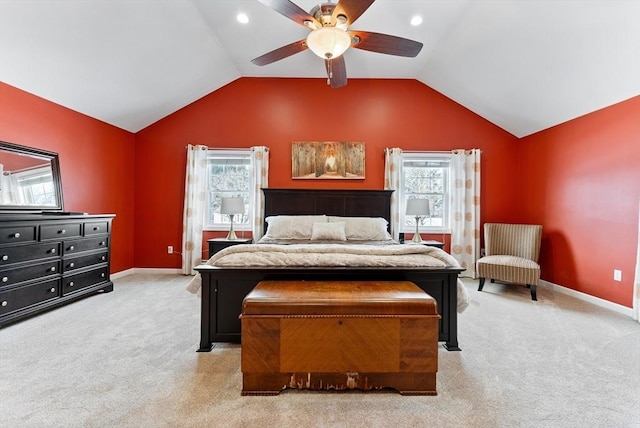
16	235
4	303
53	251
102	243
71	284
5	278
63	231
72	265
5	258
102	275
103	258
71	248
52	268
53	290
96	228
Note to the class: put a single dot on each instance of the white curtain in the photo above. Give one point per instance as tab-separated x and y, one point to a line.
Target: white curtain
392	181
194	206
465	209
259	180
636	284
10	193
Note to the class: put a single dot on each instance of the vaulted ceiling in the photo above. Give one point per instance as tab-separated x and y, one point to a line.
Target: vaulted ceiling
523	65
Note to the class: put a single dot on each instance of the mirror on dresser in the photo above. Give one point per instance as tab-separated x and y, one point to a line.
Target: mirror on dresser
29	179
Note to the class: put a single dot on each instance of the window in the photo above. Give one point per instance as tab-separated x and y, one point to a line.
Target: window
36	186
229	173
427	175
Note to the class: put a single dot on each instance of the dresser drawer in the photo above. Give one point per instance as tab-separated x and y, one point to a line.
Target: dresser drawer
28	295
95	228
77	282
84	261
60	230
24	253
13	235
16	275
88	244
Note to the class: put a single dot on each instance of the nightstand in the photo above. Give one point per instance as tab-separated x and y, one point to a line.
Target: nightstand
432	243
217	244
428	243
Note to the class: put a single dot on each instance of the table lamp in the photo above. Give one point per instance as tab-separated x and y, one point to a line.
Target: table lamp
232	206
418	208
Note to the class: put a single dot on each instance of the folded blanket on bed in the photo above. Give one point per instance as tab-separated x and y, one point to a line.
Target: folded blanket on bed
334	255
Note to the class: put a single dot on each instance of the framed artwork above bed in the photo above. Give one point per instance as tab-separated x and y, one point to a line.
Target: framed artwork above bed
327	160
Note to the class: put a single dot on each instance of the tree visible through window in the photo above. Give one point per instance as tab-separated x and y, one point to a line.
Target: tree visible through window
229	174
426	176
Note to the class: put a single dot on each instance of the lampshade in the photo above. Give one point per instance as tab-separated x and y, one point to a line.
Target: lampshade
233	205
418	207
328	42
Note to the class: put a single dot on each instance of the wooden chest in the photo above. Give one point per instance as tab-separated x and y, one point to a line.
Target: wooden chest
338	335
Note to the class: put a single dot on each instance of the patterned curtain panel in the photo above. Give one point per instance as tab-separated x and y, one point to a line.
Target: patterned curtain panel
259	180
392	181
194	200
465	209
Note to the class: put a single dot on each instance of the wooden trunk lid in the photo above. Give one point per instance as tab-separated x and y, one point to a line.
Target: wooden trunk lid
338	298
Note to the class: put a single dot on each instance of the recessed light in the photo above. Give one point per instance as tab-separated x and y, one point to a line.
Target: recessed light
242	18
416	20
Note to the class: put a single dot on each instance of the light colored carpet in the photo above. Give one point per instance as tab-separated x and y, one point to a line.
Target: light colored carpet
127	359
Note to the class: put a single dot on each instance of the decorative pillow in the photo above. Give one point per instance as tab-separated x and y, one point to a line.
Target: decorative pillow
364	228
292	226
328	232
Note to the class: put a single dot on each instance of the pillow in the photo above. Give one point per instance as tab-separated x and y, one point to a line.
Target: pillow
364	228
292	226
328	232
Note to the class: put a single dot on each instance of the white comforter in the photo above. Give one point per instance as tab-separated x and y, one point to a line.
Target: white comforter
334	255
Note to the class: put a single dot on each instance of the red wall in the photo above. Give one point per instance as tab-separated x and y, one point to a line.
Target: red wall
581	181
275	112
96	160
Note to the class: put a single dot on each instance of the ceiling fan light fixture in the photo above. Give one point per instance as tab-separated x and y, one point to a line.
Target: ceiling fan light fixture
328	42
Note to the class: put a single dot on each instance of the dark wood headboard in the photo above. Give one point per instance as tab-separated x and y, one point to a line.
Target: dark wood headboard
345	203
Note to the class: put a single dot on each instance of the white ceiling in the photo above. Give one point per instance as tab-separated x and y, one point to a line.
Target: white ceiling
523	65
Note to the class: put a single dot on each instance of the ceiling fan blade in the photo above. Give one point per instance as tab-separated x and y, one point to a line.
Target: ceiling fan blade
352	9
280	53
291	11
336	71
384	43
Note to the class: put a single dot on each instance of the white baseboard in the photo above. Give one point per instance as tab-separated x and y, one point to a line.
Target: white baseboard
122	273
131	271
588	298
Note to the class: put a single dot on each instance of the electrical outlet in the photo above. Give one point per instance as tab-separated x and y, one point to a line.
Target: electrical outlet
617	275
170	249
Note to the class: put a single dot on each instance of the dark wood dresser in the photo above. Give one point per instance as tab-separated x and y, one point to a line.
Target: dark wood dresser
50	260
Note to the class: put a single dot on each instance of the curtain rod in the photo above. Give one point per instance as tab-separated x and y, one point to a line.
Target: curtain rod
427	151
221	148
438	151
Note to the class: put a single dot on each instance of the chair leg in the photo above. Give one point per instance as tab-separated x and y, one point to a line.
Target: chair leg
532	287
481	284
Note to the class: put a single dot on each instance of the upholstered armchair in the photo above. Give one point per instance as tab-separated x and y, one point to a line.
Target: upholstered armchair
512	252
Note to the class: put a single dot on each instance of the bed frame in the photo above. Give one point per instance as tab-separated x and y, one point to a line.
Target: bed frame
224	288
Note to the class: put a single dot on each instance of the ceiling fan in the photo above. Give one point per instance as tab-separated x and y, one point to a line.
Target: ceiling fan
329	37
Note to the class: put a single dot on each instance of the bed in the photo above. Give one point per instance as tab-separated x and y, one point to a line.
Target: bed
223	287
